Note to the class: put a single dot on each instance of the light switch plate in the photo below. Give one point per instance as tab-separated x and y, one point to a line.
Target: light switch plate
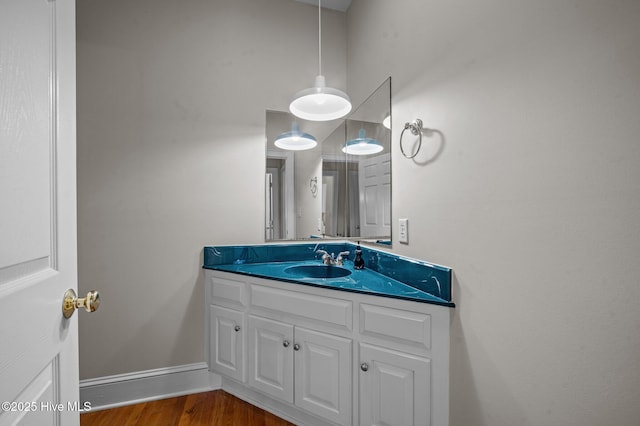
404	231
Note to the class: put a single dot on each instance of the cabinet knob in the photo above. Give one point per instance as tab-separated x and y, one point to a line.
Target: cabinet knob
236	328
364	366
296	347
285	343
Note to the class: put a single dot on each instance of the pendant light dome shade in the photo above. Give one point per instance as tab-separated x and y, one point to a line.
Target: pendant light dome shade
295	140
320	103
362	145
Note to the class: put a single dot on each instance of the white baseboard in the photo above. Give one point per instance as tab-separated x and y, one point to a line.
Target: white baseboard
149	385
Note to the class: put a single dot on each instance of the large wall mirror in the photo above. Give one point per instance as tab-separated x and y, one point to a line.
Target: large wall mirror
340	188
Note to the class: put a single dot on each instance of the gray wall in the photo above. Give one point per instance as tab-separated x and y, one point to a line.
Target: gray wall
171	114
532	196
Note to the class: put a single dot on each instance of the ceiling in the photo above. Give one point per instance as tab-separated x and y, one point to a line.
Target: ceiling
341	5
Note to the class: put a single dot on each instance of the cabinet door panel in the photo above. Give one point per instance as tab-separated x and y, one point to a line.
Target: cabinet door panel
270	358
227	343
323	375
395	389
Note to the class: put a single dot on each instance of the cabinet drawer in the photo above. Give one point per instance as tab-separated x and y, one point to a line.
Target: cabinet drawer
326	309
226	292
409	327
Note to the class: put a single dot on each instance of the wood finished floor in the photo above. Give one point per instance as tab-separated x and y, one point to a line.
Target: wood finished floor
208	408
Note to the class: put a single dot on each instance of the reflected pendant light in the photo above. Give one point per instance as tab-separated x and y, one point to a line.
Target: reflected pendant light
386	122
362	145
320	103
295	140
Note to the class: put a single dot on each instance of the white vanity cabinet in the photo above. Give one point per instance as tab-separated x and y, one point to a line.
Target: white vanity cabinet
319	356
395	372
226	350
394	387
226	303
307	368
271	357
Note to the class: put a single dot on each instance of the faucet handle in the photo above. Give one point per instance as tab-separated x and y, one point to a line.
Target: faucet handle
340	258
326	257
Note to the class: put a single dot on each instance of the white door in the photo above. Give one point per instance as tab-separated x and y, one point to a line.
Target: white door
354	203
268	206
285	189
375	196
38	262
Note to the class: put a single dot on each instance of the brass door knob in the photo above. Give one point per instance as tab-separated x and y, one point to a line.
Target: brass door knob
71	302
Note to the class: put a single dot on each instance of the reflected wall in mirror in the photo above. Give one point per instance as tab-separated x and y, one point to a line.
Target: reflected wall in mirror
327	191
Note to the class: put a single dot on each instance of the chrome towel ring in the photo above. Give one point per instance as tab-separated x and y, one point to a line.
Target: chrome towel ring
313	185
416	129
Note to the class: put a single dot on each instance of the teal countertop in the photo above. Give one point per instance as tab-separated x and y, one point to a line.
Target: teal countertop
431	285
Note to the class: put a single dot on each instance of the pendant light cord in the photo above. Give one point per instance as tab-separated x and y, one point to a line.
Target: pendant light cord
319	38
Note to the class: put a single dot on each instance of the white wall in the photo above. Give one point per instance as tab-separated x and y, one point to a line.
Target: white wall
171	108
531	193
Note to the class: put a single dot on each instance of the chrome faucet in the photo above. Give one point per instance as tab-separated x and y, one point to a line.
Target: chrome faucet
329	259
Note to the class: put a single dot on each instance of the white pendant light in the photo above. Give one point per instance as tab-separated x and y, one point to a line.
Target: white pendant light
320	103
362	145
295	140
